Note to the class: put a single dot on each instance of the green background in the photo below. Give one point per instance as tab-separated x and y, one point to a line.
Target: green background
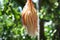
11	27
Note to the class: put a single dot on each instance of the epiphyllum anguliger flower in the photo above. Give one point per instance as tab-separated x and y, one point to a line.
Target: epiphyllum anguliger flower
29	18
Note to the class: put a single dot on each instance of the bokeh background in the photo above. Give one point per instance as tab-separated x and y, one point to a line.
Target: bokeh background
11	27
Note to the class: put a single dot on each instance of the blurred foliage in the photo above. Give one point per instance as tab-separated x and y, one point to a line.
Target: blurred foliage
11	24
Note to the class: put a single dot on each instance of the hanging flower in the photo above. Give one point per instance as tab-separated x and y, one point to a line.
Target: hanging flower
29	18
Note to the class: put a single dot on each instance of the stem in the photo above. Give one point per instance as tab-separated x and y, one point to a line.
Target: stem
29	0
